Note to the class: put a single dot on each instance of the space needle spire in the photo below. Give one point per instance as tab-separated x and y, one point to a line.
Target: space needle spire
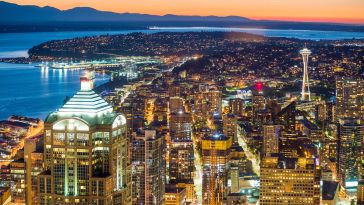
306	95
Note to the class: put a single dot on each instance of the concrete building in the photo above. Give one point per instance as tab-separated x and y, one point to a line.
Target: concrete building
215	154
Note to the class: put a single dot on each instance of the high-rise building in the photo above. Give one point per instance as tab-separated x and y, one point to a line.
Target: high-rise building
349	98
230	126
287	117
176	105
236	106
17	173
180	126
351	135
237	167
258	102
148	168
206	103
271	134
33	158
85	153
285	181
181	153
215	154
181	164
306	95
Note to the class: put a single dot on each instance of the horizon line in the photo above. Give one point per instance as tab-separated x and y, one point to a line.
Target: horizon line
345	21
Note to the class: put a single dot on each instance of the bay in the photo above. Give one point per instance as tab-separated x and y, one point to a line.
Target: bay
35	92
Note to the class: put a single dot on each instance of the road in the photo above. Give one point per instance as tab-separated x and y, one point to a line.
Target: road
31	133
253	158
198	175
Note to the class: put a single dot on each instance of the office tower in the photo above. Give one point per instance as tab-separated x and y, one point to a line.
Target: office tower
181	153
349	98
285	181
215	156
321	112
181	156
237	167
148	168
33	158
306	95
236	106
287	117
206	103
180	126
174	90
271	134
86	152
181	164
160	112
351	135
230	126
258	102
176	105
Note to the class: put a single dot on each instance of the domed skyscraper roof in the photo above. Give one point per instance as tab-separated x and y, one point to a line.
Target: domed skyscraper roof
86	105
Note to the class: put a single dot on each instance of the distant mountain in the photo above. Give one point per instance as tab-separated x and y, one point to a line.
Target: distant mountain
13	13
18	18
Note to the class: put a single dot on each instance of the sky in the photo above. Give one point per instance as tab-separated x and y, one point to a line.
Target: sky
343	11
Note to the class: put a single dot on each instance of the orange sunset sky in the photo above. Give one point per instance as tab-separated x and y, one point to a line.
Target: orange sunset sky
343	11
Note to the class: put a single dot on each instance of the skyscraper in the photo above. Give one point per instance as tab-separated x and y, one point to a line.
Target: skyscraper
286	181
351	135
181	153
349	98
86	153
33	158
176	105
148	168
215	154
207	102
230	126
180	126
306	95
271	135
287	117
236	106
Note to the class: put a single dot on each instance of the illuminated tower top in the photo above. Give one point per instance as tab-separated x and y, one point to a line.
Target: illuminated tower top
306	95
85	104
87	81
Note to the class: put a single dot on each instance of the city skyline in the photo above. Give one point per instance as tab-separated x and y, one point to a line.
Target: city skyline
102	108
337	11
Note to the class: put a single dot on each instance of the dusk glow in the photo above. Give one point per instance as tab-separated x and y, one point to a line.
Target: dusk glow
343	11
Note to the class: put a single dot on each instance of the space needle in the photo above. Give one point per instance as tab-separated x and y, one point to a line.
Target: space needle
306	95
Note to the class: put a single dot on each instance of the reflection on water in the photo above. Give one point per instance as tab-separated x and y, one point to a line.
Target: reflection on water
27	90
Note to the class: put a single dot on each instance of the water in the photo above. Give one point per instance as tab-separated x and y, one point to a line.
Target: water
30	91
300	34
34	92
